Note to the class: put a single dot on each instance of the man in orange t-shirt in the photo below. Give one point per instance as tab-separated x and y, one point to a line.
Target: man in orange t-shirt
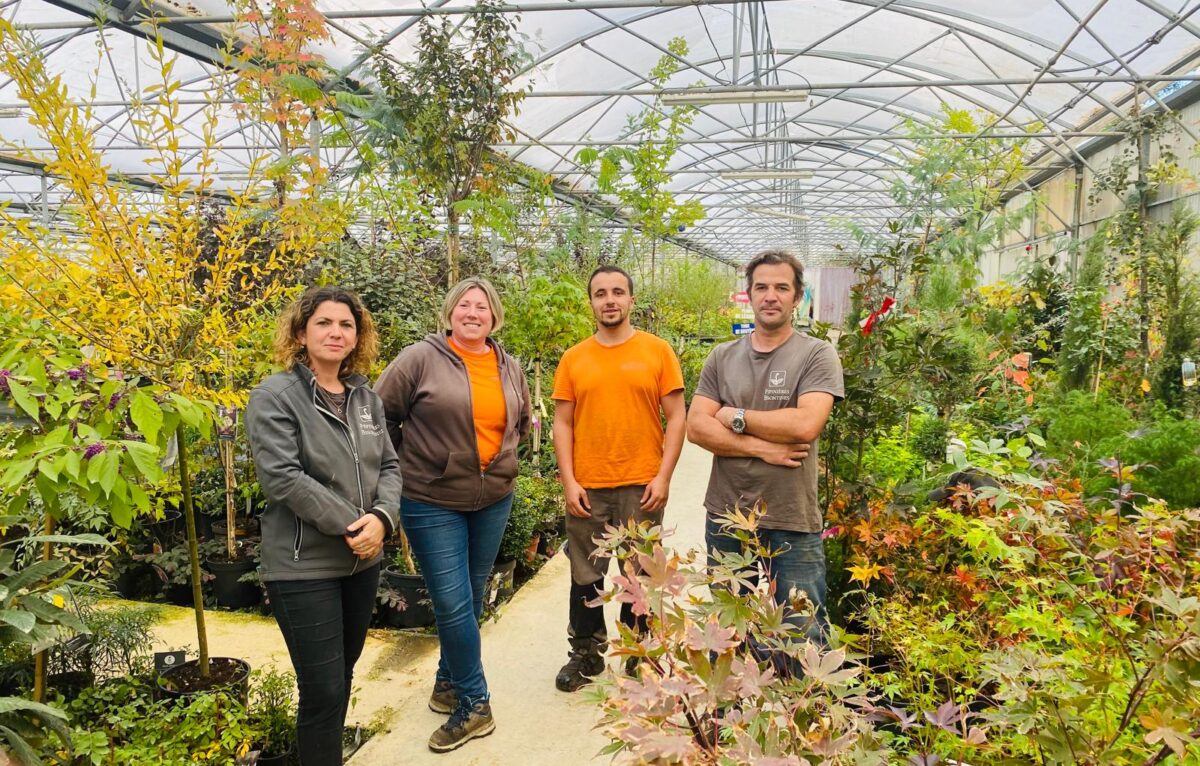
614	459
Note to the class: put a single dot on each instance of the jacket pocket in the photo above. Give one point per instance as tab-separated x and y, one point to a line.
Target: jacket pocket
459	465
503	466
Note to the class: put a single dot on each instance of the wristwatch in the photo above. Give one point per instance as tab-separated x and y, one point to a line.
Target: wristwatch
738	424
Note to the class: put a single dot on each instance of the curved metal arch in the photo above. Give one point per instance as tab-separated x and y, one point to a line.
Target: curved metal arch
895	6
848	57
905	66
857	58
1046	142
832	145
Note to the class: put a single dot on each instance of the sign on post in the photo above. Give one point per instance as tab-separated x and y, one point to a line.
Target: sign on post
743	328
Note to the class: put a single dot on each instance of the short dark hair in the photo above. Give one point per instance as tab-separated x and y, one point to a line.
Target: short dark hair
608	268
772	258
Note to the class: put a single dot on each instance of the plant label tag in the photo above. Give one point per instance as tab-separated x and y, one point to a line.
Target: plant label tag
167	660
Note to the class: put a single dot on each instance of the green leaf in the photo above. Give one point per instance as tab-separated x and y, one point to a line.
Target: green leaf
140	498
17	472
146	414
122	514
22	621
36	574
72	464
23	398
82	539
303	88
20	748
188	410
17	704
145	459
48	469
110	468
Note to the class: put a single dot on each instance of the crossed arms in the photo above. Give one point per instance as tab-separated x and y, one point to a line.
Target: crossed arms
780	437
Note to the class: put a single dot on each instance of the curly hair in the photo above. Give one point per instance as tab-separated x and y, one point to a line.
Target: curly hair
288	350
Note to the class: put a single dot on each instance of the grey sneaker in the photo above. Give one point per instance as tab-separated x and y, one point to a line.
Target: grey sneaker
444	699
578	671
465	724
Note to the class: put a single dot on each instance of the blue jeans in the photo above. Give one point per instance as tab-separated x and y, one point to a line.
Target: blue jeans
798	564
456	551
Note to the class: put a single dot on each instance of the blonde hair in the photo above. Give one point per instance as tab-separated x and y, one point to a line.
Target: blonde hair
287	349
456	294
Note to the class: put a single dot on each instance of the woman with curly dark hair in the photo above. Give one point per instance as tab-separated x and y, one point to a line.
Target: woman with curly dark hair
332	482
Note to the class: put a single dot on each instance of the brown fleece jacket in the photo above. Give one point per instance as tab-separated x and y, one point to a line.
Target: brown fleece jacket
427	400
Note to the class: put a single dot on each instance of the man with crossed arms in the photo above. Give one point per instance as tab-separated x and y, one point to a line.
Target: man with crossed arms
760	406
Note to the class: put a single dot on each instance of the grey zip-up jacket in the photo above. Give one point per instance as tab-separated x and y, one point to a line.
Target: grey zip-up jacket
426	393
319	474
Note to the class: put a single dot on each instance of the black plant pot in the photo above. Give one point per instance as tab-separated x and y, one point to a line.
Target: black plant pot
549	543
204	524
418	612
245	528
504	574
226	674
169	529
137	581
179	595
228	589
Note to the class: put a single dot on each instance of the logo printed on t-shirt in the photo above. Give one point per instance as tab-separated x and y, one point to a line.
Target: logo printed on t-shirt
777	389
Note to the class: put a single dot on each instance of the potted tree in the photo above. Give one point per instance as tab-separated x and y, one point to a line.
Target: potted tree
237	560
160	287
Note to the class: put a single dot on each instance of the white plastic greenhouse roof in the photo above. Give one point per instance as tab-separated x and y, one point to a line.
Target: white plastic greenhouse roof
1068	66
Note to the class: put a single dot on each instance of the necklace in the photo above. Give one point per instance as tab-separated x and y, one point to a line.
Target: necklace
336	402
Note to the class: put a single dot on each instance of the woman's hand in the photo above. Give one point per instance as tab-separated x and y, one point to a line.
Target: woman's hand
365	536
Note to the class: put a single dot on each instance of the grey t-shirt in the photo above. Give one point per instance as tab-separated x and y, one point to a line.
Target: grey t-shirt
738	376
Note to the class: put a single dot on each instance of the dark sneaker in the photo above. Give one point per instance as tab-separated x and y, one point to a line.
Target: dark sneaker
465	724
633	666
444	699
579	670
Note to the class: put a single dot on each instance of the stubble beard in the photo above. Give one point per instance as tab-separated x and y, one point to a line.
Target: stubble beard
610	323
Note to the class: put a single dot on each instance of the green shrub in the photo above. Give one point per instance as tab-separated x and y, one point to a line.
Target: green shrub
1170	452
890	460
119	723
1084	428
928	437
524	520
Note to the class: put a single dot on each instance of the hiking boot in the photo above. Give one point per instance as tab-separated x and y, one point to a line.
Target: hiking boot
465	724
444	699
578	671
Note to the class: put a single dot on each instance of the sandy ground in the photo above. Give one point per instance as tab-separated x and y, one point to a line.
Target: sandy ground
523	649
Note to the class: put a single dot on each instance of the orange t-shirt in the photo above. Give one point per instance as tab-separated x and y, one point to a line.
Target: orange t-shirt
487	401
617	391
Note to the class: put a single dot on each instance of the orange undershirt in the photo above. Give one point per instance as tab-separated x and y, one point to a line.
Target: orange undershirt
487	401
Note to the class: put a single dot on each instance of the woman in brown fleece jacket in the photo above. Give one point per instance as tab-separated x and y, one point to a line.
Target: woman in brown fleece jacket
457	405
